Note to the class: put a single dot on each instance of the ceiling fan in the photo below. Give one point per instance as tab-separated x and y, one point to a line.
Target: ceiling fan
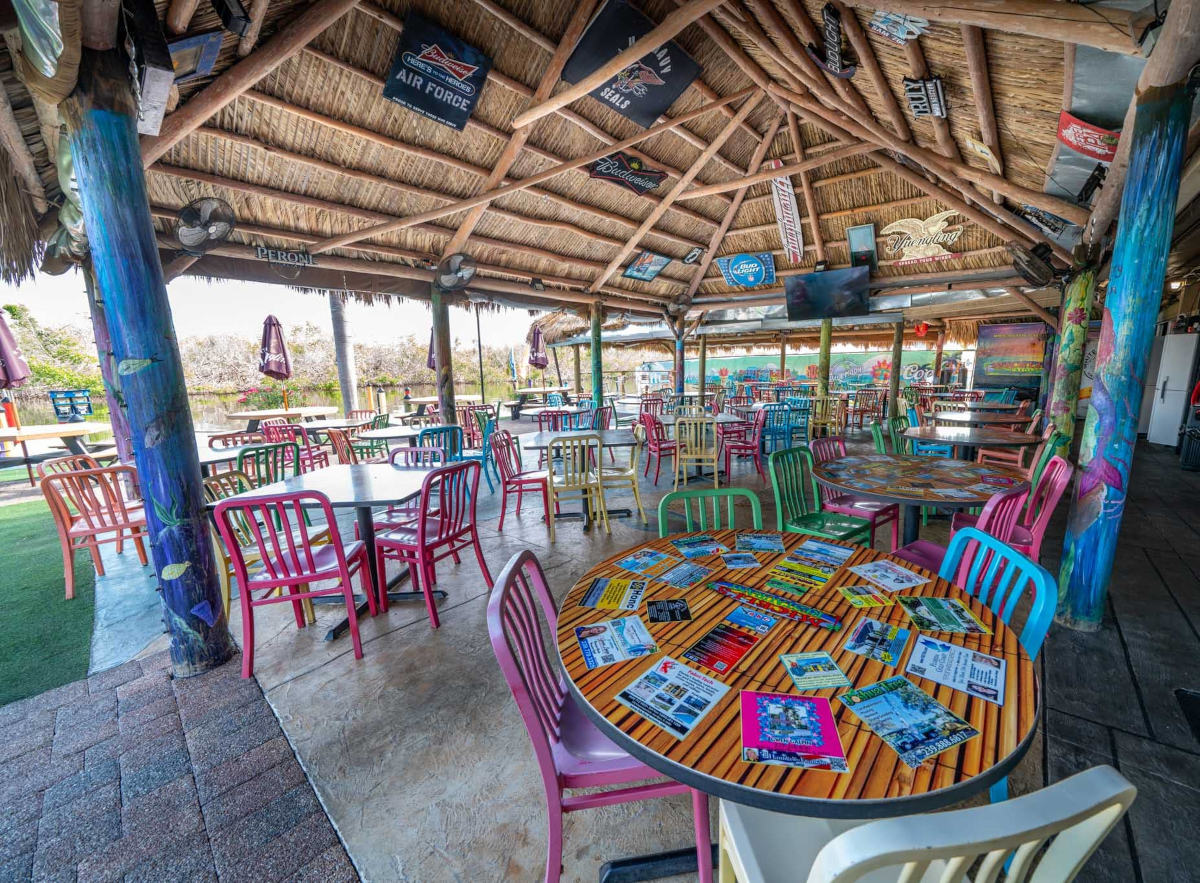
455	272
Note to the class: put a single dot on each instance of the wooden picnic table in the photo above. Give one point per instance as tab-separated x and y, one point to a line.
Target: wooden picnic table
913	482
696	738
71	435
302	412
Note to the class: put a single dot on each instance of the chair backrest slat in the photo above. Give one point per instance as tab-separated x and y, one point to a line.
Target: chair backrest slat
707	512
448	438
450	491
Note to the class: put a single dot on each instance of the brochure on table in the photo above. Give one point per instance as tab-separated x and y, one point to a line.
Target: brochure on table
668	610
813	671
608	593
864	597
799	731
648	562
672	696
942	615
614	641
889	576
776	605
698	547
914	724
976	673
877	640
723	646
759	542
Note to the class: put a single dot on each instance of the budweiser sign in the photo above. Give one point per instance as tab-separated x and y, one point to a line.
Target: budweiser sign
1087	139
787	215
435	57
628	171
920	241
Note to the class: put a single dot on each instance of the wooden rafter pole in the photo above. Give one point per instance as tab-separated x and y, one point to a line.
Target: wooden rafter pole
870	64
810	198
550	76
258	12
179	15
665	31
790	169
1115	30
1034	307
523	184
919	70
680	186
981	89
756	161
289	40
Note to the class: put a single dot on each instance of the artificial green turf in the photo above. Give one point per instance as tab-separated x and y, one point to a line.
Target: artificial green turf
45	640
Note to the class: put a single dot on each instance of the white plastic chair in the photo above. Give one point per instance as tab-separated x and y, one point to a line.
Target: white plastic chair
1072	816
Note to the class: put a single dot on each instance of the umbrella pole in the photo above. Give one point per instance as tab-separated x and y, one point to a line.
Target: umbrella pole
479	351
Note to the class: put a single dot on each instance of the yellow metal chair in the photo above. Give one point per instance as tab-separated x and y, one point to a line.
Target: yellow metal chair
828	416
226	484
576	470
696	445
619	477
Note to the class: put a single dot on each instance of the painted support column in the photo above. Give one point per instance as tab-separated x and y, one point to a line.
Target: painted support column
112	188
443	356
939	349
783	358
893	407
1130	311
702	359
823	357
343	352
1068	360
578	370
597	317
679	359
117	415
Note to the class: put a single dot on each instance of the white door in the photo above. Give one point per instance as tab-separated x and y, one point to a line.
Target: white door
1171	388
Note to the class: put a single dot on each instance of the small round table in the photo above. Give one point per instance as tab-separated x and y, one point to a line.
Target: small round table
709	758
918	481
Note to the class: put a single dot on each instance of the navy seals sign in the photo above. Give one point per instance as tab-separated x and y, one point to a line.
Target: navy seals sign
644	90
435	73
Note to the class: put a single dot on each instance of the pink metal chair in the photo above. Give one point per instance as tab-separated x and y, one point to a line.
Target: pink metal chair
513	477
571	752
235	439
445	527
90	508
745	444
1030	529
651	405
833	447
404	514
658	445
312	457
998	519
291	559
363	415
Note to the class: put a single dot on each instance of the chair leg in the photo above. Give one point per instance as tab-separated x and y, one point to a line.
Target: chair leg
352	614
703	835
140	546
69	569
94	551
247	637
554	842
487	574
896	532
503	503
426	569
381	570
637	495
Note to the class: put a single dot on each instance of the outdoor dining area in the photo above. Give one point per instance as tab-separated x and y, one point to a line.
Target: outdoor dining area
875	564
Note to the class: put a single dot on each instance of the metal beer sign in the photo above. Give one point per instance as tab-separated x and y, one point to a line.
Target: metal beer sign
748	270
831	56
787	215
436	74
628	171
282	256
921	241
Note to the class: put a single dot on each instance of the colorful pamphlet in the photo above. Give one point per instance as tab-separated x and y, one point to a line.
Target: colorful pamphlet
913	724
805	568
888	576
975	673
877	640
749	618
786	583
614	641
728	641
648	562
864	596
830	553
684	575
942	615
739	560
672	696
669	610
813	671
799	731
759	542
698	547
607	593
777	605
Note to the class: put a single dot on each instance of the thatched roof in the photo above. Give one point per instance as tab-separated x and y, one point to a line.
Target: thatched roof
312	150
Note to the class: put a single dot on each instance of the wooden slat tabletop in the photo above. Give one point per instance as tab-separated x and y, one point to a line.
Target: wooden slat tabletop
878	783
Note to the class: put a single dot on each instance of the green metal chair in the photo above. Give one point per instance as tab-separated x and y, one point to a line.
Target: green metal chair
265	464
702	520
877	435
897	426
792	511
373	449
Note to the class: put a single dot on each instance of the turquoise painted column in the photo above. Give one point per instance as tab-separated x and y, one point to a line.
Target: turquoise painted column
680	363
597	318
112	188
1131	308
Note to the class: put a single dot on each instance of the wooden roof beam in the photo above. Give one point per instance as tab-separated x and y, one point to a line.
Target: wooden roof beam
744	111
870	64
809	34
1034	307
231	83
179	15
1115	30
664	32
258	12
550	77
919	70
793	168
981	89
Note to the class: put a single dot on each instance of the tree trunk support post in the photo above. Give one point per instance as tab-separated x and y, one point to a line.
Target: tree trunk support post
823	357
1131	308
597	319
117	415
893	407
680	363
783	358
112	188
343	352
443	356
578	370
938	352
1068	359
702	366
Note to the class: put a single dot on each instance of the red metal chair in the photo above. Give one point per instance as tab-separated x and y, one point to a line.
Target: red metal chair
658	445
652	405
235	439
571	753
89	508
291	558
445	527
741	443
1030	529
404	514
507	455
998	519
312	457
832	447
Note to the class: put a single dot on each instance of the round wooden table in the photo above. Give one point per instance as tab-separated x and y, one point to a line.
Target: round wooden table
709	758
978	418
918	481
972	436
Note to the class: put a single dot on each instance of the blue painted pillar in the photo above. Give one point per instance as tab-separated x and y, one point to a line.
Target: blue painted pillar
679	359
1131	308
597	318
112	189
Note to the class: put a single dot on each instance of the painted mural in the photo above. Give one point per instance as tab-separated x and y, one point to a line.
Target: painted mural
855	368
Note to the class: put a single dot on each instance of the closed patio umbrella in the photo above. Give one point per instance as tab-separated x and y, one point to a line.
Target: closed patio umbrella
537	352
273	358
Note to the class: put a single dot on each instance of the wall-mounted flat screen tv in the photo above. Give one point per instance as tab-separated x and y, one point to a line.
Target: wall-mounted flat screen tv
828	294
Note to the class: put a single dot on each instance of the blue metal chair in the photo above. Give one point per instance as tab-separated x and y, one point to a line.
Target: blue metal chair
448	438
1010	395
554	400
777	431
801	409
926	449
1000	576
484	455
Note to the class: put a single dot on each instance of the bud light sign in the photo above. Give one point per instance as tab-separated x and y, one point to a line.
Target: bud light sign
436	74
748	270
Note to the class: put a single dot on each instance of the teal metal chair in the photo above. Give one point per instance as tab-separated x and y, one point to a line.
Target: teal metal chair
554	400
777	430
798	415
484	455
793	514
265	464
707	499
1000	576
926	449
448	438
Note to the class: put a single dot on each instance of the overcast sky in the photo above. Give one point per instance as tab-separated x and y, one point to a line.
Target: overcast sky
221	307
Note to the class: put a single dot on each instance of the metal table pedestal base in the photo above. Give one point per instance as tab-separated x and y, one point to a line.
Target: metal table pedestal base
652	867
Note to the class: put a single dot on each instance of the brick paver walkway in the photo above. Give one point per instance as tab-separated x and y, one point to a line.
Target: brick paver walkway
132	775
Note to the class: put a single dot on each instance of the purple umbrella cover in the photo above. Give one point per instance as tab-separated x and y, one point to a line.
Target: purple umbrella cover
430	361
14	370
273	358
537	349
